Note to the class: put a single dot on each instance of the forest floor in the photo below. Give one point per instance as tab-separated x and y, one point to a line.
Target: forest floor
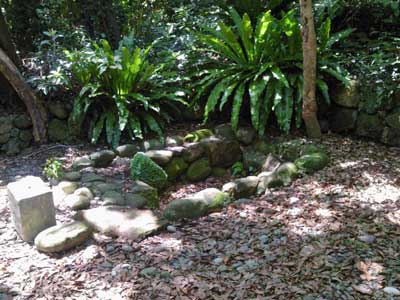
333	235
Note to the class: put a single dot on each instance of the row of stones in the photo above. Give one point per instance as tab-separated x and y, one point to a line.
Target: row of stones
15	133
131	223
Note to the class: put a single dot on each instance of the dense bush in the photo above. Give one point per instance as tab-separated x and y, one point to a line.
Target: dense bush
264	65
120	91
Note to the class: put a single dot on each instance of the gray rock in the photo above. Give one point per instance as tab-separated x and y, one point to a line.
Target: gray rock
225	131
391	291
72	176
193	152
128	150
222	153
393	120
348	96
62	237
160	157
68	187
103	187
135	200
199	170
113	198
253	160
58	109
268	180
152	144
196	205
177	151
58	130
4	138
171	228
242	188
174	141
391	136
127	248
121	221
287	172
22	122
78	202
367	238
82	163
91	177
142	192
246	135
270	164
5	125
148	272
102	158
25	135
13	147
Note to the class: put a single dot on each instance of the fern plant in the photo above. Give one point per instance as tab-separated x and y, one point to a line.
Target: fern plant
120	91
262	64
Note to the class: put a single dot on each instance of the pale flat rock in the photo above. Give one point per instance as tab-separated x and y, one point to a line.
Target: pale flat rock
121	221
62	237
68	187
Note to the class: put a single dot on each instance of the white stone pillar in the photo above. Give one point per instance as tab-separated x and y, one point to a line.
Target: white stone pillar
32	207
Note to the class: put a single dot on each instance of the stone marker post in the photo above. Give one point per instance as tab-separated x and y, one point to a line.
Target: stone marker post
32	207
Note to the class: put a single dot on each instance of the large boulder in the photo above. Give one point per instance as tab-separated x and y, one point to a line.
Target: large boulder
175	168
199	170
348	96
312	162
62	237
369	126
146	170
196	205
160	157
242	187
58	131
103	158
222	153
120	221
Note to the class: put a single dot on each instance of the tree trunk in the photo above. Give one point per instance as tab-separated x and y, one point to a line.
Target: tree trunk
34	105
309	69
6	42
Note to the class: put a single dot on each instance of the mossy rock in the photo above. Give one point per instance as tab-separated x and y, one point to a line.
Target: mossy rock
265	147
196	205
311	149
175	168
198	135
287	172
144	169
199	170
311	163
290	150
219	172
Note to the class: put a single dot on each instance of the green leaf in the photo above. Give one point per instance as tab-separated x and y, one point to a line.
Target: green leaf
237	104
98	128
135	126
245	31
277	73
256	88
323	87
215	95
324	34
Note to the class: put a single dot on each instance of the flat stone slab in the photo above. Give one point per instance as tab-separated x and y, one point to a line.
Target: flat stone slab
120	221
62	237
32	207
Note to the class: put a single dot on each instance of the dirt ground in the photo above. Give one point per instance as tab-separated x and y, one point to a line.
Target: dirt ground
332	235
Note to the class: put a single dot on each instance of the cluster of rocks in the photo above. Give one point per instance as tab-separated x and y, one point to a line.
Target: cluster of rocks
365	116
15	133
117	207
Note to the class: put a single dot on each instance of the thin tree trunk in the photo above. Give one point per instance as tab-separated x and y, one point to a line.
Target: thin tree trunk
34	105
309	69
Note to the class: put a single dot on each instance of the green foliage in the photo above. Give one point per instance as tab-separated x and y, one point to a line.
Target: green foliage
198	135
262	65
146	170
120	91
53	169
238	170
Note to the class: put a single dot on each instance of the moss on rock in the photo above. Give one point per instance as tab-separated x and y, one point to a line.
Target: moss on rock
144	169
311	163
199	170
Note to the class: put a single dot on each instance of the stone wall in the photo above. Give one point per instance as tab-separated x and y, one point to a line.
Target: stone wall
362	114
15	133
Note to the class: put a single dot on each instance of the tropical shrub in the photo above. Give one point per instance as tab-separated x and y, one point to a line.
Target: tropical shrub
120	91
262	65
